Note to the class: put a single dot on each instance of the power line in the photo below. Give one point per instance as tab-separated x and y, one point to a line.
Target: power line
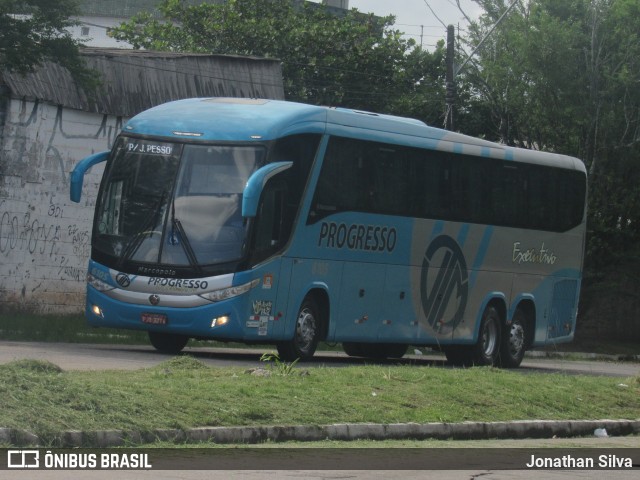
416	25
461	67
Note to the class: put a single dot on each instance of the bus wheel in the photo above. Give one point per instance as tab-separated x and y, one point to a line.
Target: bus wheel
168	342
513	344
306	334
487	349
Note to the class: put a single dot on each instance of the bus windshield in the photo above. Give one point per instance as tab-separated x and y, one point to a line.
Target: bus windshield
173	204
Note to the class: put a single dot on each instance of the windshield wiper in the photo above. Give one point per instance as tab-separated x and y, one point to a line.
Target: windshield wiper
186	244
134	243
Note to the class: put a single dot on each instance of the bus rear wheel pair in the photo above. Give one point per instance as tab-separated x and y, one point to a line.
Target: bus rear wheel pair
498	344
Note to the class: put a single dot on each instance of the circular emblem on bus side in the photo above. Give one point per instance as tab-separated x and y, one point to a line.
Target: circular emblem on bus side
123	280
154	299
444	286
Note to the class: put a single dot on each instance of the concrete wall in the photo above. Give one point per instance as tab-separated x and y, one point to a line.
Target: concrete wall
44	237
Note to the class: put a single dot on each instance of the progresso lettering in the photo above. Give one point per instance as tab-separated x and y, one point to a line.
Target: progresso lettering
370	238
179	283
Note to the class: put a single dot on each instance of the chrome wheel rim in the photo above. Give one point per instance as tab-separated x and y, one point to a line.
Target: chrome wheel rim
490	337
516	339
305	328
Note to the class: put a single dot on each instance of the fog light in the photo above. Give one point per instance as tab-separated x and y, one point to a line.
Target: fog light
97	310
219	321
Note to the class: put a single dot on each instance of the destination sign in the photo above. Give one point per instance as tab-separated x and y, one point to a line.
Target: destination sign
149	148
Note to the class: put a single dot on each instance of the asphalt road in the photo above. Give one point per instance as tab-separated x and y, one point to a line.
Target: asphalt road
73	356
327	475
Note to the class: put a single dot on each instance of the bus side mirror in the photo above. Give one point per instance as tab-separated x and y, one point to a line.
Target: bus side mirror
255	184
77	175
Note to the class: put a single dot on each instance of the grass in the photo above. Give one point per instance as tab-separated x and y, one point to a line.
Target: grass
185	393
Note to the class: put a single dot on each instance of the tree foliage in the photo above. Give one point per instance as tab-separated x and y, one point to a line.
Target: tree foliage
35	31
563	76
353	60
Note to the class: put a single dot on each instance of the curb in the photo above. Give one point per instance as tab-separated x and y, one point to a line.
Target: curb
343	431
583	356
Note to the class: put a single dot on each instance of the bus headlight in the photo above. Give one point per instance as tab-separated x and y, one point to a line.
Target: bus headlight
230	292
98	284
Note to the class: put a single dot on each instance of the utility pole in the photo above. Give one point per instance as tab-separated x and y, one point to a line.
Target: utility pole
450	95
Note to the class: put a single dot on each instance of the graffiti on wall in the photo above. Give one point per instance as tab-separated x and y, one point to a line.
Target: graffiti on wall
45	238
21	232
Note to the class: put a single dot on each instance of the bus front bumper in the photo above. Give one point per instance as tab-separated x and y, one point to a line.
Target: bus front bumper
221	320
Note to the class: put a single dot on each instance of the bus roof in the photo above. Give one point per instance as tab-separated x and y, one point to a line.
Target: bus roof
241	119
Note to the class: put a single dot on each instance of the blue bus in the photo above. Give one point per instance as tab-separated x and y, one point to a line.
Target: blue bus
271	222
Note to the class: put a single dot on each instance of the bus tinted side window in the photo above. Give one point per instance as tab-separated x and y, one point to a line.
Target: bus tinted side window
363	177
342	184
386	179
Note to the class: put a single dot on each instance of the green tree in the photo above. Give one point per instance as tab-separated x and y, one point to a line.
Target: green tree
526	74
353	60
35	31
563	76
420	91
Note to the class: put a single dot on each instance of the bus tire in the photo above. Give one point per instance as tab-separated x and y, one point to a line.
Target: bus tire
487	349
168	342
514	341
306	334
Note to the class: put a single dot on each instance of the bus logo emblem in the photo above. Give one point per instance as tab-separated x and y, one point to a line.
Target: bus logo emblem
444	284
123	280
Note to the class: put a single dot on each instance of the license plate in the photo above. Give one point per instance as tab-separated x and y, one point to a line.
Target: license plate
154	318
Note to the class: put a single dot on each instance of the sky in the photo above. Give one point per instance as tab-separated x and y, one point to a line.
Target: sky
414	17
